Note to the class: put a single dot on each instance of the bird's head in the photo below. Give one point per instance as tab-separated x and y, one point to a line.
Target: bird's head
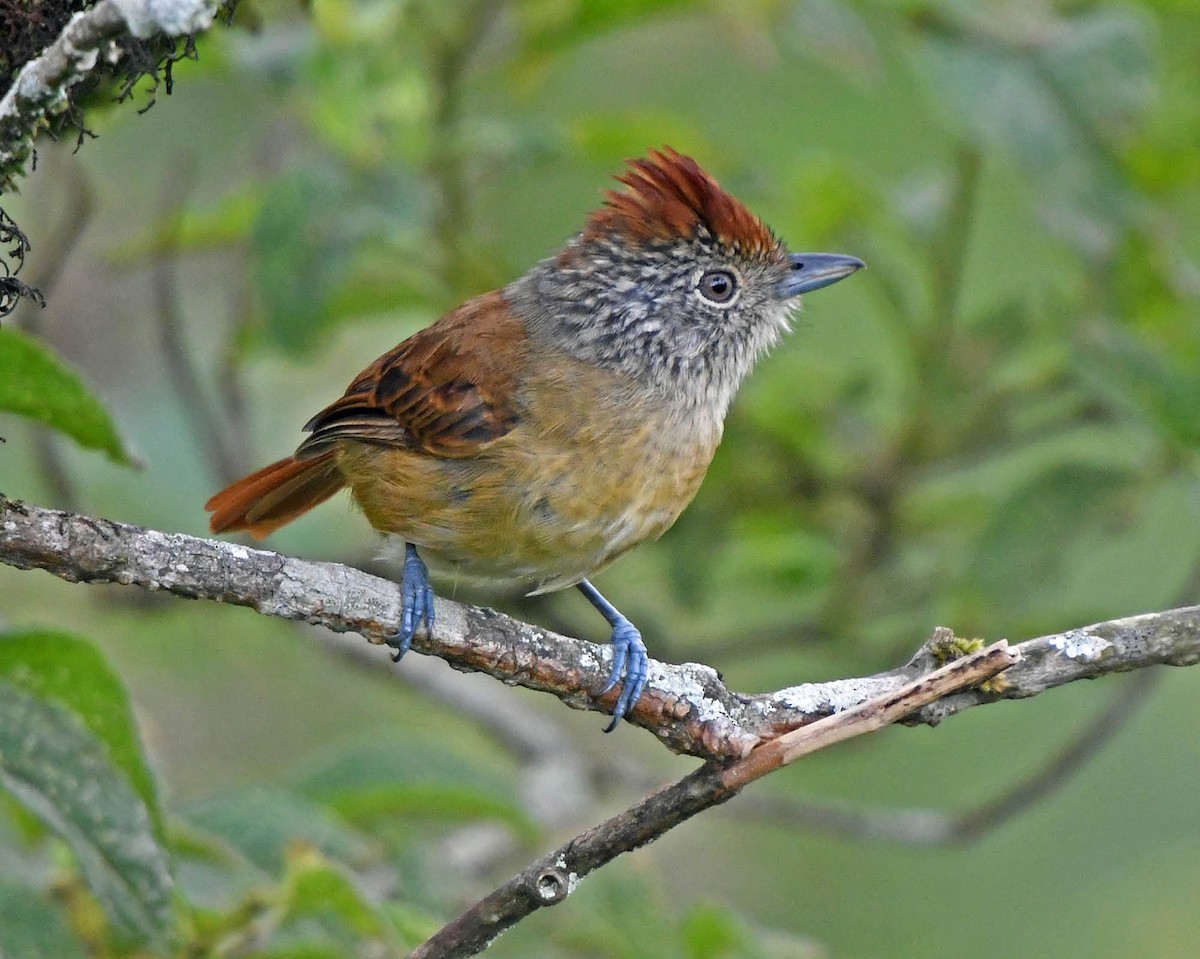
674	281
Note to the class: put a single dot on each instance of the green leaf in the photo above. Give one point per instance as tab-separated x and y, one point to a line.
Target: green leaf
329	895
33	928
1154	385
1057	94
301	254
53	764
550	26
713	932
374	780
214	878
71	672
217	227
1013	564
263	822
35	384
834	35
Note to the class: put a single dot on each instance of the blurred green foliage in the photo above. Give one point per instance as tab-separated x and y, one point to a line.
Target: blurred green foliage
35	384
993	428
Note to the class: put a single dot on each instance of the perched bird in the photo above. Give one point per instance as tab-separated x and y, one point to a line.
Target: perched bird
538	432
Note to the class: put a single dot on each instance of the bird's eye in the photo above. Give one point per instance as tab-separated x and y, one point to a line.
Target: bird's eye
717	286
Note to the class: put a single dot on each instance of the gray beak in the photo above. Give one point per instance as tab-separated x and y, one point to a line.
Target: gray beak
811	271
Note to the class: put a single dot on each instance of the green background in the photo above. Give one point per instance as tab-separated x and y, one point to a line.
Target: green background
993	428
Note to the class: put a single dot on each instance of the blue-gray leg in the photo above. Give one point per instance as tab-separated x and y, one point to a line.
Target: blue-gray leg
417	597
629	655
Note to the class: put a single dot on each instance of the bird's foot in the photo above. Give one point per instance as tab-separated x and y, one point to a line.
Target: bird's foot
631	659
629	655
417	598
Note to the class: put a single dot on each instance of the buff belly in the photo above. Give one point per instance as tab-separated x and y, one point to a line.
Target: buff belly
546	505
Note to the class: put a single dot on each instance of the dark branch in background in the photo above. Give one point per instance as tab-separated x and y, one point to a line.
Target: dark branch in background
929	827
552	878
450	58
184	379
231	391
686	706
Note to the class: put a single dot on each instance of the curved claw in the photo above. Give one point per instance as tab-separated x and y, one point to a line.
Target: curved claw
417	598
629	655
631	659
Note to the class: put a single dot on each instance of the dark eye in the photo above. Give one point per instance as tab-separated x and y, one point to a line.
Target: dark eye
717	286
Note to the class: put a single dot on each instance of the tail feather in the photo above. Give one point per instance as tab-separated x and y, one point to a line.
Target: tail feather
275	495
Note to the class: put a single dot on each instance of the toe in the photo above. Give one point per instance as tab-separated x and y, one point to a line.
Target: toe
402	641
427	610
620	656
635	682
417	598
631	661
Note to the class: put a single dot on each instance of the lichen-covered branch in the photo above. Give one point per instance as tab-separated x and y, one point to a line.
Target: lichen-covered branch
931	827
40	89
685	705
552	878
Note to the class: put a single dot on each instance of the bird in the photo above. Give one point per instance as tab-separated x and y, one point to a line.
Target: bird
538	432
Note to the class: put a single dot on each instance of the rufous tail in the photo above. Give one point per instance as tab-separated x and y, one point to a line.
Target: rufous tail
275	495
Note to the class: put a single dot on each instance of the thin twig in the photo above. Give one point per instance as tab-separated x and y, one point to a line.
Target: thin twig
555	779
450	58
231	389
950	256
552	878
987	816
927	827
184	378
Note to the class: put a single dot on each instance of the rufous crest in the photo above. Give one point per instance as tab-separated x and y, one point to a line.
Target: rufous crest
669	196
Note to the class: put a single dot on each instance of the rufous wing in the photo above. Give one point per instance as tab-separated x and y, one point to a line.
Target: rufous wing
447	391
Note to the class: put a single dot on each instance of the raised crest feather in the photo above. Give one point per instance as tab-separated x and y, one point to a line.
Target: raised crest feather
669	196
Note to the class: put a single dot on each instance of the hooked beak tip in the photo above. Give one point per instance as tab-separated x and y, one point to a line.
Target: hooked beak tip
812	271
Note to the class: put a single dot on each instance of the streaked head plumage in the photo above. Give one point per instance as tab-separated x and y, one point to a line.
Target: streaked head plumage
672	282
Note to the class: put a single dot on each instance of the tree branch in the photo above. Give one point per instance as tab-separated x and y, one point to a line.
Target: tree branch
686	706
40	88
930	827
742	737
217	438
552	878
